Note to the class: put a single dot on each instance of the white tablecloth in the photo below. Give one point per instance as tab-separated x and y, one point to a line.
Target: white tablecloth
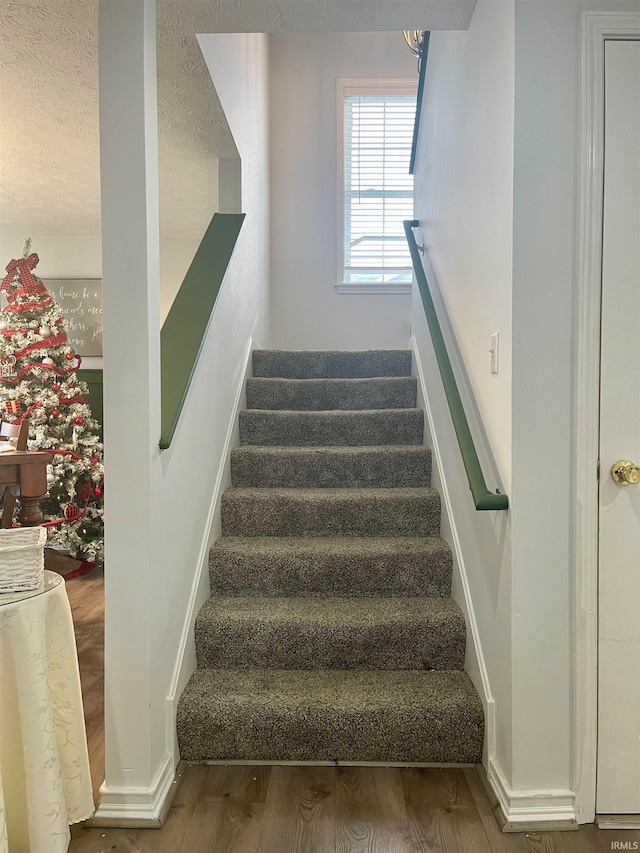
45	784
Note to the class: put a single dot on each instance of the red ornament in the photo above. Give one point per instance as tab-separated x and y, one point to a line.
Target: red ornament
56	386
55	413
71	511
13	407
79	421
69	356
97	491
94	460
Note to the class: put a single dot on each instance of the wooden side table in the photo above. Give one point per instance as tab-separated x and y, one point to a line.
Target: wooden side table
26	469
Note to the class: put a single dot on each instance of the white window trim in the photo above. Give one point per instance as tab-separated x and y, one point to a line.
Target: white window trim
365	86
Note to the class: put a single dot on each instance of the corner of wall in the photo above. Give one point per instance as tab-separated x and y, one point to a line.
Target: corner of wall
531	810
136	807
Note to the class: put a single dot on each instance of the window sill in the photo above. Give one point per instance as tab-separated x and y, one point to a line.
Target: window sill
375	289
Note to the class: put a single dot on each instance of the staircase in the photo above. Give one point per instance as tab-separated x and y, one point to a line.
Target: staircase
330	634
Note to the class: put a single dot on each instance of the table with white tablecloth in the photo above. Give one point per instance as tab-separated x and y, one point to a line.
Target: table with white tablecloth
45	783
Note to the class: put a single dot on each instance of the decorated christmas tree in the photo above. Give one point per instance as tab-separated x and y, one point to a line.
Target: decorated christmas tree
38	380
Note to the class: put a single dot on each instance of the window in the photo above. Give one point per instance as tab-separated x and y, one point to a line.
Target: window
376	192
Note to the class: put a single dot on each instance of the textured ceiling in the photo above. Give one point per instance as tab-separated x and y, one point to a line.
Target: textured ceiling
49	156
49	160
306	16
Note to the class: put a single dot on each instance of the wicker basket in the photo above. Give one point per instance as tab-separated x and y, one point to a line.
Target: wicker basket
21	558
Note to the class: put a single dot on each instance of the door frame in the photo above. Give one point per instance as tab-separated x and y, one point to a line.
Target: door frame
597	27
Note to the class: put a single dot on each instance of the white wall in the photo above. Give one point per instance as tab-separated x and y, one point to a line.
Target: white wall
81	257
196	459
60	257
162	505
513	82
547	141
308	313
464	196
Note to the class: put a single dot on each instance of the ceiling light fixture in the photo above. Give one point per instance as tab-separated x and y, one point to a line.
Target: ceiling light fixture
414	40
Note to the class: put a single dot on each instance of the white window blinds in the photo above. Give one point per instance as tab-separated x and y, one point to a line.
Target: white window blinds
378	189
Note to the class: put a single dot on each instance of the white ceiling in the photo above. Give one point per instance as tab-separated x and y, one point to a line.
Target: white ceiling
49	158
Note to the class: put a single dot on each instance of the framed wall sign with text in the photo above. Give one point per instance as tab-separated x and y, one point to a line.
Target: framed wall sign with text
80	301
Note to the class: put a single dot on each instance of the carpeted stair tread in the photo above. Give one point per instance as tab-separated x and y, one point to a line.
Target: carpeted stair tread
335	427
330	364
329	566
330	633
330	715
248	511
390	466
390	392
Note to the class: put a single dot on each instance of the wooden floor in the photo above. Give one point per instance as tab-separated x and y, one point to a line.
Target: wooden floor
262	809
334	810
86	596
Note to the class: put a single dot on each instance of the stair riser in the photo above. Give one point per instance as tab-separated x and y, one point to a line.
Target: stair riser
354	429
250	643
229	732
237	572
330	468
277	514
325	394
331	365
362	738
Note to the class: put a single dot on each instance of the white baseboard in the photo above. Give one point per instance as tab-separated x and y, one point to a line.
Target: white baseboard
478	673
531	810
137	807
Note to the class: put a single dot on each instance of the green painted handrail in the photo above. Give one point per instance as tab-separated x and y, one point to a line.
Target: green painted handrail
185	327
483	498
424	52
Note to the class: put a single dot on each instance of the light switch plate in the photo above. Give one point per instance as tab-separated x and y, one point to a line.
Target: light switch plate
495	352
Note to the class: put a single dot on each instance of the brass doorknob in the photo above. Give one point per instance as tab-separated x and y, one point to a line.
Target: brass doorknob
625	473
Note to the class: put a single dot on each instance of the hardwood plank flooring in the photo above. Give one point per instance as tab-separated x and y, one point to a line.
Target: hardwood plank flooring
288	809
371	815
299	810
237	809
441	811
86	597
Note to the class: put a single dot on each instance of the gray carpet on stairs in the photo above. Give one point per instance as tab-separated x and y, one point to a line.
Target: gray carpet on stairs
330	512
375	426
329	566
330	715
330	634
388	467
325	394
331	364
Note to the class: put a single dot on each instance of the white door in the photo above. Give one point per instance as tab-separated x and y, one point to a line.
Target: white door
618	769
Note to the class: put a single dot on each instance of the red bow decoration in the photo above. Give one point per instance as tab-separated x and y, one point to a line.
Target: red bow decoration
21	267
